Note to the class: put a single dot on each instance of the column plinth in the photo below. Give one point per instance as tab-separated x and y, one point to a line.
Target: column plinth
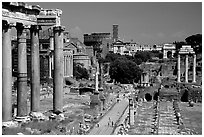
35	69
22	72
194	68
186	72
58	69
6	73
179	69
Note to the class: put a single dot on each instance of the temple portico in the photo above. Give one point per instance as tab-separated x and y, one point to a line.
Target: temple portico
24	18
187	51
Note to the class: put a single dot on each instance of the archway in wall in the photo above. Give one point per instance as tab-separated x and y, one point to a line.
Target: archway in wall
169	54
148	97
184	97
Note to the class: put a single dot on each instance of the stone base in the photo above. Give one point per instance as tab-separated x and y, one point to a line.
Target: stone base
22	119
38	116
95	100
10	124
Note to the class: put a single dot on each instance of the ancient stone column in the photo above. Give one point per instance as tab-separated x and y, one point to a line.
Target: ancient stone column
186	72
58	69
101	75
35	69
131	112
22	71
179	69
6	73
96	77
71	65
51	56
194	67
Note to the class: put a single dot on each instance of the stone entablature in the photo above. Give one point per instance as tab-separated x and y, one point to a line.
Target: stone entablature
186	49
49	17
24	13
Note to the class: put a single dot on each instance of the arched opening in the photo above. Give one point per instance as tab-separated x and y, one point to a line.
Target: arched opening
156	95
169	54
148	97
184	97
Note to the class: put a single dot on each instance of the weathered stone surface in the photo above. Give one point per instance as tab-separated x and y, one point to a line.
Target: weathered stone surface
38	116
10	124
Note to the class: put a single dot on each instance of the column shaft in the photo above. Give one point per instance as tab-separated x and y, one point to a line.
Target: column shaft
6	73
186	72
22	72
35	69
50	66
194	68
179	69
58	69
96	77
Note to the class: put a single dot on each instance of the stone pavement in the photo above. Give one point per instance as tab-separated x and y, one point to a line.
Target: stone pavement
114	114
167	119
144	122
143	119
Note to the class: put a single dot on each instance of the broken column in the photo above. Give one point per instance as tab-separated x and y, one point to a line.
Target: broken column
186	72
22	71
131	112
35	69
58	69
179	69
6	73
194	67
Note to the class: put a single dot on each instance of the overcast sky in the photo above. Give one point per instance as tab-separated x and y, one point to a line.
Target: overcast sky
146	23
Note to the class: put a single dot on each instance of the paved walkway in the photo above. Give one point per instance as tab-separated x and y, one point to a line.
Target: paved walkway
167	121
114	114
143	119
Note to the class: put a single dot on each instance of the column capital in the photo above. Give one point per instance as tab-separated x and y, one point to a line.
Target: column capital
35	28
21	27
59	28
6	25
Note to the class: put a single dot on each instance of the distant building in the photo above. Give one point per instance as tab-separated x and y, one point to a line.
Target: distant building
115	32
99	41
168	50
121	48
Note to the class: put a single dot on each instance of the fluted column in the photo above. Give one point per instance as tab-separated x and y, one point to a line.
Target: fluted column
22	71
186	72
35	69
6	73
194	68
179	69
58	69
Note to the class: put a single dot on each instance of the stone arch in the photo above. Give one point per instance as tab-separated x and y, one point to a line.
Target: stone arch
169	54
185	96
148	96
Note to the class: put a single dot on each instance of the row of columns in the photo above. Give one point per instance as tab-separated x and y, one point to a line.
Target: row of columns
68	65
186	68
22	70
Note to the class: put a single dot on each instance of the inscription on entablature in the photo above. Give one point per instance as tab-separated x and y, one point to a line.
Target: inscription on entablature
17	15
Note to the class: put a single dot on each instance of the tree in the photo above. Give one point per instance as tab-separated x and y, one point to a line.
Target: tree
125	71
142	56
196	42
80	72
